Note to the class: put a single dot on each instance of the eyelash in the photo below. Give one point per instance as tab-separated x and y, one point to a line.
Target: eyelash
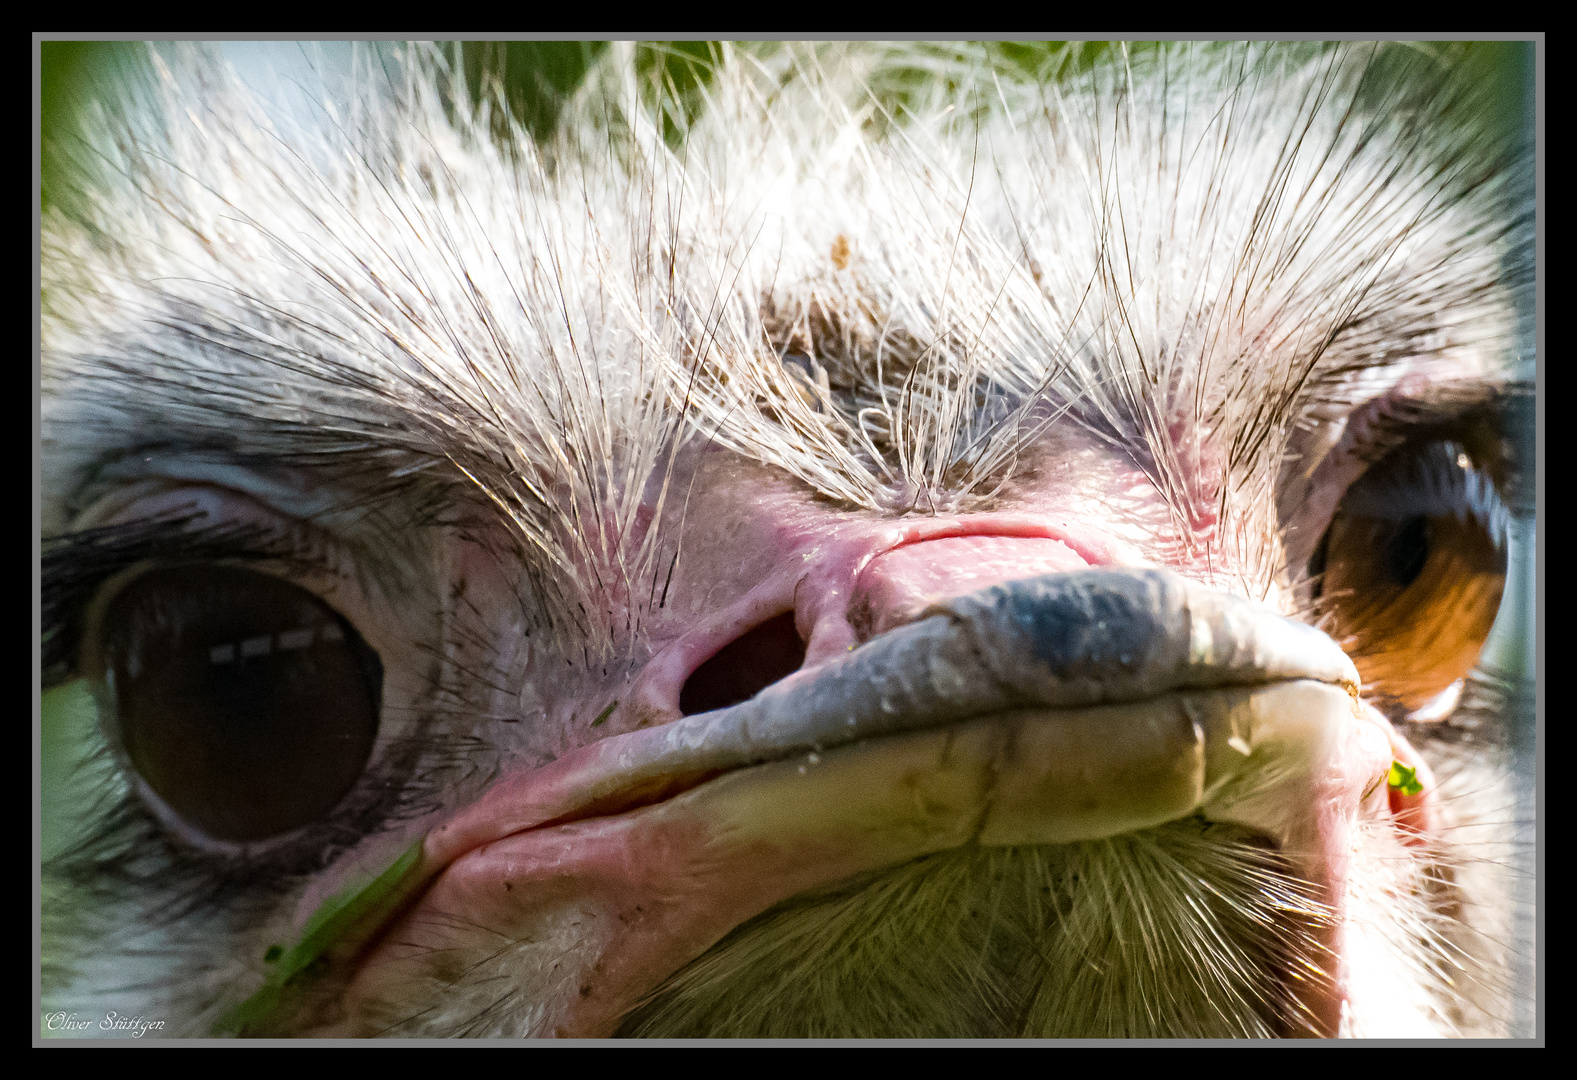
1496	493
1449	421
1491	707
1434	482
73	567
125	846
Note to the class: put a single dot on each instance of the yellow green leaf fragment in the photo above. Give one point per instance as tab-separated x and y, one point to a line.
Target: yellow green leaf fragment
339	921
1404	779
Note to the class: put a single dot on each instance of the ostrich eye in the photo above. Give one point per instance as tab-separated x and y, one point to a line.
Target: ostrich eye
247	705
1412	568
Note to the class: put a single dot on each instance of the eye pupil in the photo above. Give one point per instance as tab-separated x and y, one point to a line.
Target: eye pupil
1407	552
247	704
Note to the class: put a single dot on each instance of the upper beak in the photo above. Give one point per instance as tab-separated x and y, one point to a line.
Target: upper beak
1068	707
1052	651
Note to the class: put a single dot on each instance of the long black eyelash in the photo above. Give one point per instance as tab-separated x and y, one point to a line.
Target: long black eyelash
1506	457
1494	704
1495	708
127	852
74	566
1515	416
125	847
1498	431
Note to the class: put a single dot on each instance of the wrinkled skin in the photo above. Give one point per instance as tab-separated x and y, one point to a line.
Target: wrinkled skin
661	886
629	898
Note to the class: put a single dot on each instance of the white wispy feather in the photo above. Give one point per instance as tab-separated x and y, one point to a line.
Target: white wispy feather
1185	265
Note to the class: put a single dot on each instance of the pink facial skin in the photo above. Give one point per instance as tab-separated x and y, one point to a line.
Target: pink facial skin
622	898
768	549
623	895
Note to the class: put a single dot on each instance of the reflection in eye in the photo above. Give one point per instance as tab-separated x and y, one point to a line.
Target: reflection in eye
247	704
1413	566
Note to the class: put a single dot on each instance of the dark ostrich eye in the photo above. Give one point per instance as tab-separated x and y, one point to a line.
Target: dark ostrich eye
1412	568
244	702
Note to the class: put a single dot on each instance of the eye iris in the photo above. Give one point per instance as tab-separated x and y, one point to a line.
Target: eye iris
247	704
1412	570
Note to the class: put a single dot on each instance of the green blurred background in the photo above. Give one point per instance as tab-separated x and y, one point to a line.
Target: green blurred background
535	76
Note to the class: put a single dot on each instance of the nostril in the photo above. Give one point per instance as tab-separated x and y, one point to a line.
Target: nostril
745	666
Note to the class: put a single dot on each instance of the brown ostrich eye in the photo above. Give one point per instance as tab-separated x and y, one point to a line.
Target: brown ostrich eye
244	702
1412	569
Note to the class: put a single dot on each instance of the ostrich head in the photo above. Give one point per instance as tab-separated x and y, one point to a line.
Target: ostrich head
864	541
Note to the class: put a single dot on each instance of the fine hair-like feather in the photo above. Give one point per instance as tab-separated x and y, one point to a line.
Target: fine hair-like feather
1203	256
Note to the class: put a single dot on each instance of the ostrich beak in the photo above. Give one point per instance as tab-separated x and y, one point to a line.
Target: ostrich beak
1068	707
